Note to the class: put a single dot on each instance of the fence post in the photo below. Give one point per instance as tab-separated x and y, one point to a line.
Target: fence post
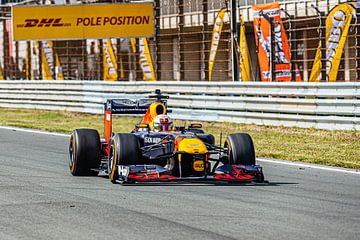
205	45
101	59
28	63
358	41
68	59
85	58
293	43
234	41
181	39
17	65
157	39
5	48
272	45
323	45
118	58
40	60
54	76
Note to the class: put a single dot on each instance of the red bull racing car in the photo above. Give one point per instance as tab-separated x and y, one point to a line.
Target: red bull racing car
158	151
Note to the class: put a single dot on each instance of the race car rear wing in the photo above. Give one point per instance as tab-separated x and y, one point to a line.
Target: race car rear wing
129	106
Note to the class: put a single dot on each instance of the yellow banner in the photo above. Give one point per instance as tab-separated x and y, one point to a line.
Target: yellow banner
1	73
133	44
316	68
83	21
244	54
109	62
47	59
145	61
215	39
58	69
337	28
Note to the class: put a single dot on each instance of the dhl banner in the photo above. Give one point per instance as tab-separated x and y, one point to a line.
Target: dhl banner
50	68
215	39
109	62
83	21
337	28
262	37
144	59
244	54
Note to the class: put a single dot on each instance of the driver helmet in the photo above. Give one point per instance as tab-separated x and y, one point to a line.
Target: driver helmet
163	123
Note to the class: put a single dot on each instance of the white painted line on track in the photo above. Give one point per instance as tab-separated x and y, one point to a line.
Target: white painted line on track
283	162
309	165
34	131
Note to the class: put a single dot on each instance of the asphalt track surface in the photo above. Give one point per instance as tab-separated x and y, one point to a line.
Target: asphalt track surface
40	200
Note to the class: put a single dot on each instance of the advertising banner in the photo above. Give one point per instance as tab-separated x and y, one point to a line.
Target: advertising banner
337	29
49	67
83	21
109	62
145	61
215	39
58	69
244	54
262	38
1	73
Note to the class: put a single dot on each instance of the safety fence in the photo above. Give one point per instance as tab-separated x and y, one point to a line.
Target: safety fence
318	105
184	49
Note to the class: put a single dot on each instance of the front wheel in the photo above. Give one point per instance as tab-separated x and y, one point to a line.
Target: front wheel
240	149
84	152
124	150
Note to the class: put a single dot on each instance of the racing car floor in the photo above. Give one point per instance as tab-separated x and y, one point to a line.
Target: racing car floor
40	200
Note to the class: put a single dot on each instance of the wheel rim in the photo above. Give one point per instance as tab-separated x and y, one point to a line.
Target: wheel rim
112	162
229	152
72	149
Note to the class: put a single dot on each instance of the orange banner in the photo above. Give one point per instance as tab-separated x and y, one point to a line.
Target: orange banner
262	38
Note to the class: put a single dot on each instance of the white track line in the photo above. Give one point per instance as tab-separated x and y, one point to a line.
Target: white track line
309	165
34	131
283	162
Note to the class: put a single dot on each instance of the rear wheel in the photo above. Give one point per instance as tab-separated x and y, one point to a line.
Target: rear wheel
84	152
240	149
124	150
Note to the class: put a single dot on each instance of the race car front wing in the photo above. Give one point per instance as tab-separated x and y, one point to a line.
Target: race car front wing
156	173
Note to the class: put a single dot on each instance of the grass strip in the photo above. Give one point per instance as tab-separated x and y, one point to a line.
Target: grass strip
334	148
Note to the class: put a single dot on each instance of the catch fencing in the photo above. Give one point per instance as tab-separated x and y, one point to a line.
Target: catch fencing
181	46
318	105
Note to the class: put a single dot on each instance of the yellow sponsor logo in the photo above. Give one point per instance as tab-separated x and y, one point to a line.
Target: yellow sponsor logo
199	165
83	21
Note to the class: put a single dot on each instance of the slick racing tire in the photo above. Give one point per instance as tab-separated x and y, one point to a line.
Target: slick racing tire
84	152
240	149
124	150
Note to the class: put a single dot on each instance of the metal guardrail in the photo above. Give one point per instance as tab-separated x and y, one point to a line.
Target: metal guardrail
319	105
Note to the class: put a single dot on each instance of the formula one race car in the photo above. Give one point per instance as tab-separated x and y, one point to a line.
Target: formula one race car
156	150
